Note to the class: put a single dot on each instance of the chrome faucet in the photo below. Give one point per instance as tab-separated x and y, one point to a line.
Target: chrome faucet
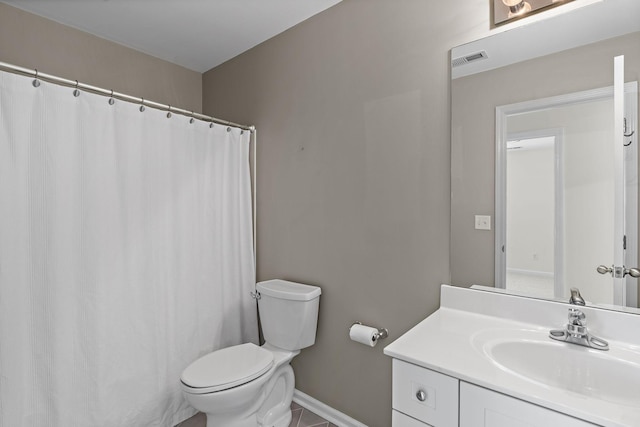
576	331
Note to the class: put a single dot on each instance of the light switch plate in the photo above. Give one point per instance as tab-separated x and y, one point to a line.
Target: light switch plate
483	222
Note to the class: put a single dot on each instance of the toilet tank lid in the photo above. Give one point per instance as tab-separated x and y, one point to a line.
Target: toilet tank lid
284	289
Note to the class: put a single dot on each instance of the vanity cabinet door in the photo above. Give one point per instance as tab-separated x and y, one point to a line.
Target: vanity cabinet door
480	407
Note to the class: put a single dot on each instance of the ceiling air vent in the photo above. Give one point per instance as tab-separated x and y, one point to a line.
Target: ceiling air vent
456	62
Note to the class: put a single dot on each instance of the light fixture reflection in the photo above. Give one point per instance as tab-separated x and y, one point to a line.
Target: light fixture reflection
517	7
505	11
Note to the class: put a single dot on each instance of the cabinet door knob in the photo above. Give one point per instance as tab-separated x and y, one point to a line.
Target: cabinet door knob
421	395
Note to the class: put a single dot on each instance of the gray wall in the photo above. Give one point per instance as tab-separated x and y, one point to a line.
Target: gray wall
474	99
33	42
352	112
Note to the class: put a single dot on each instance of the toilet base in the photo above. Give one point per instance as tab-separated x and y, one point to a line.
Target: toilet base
217	421
282	422
269	407
276	409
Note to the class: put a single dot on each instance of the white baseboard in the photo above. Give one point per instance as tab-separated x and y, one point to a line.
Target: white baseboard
325	411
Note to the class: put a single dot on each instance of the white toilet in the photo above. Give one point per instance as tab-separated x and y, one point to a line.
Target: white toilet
250	386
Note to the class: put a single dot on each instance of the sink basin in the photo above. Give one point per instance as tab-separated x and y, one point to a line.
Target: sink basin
612	375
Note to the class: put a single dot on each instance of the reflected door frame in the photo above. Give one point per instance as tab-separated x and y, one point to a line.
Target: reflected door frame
558	199
502	114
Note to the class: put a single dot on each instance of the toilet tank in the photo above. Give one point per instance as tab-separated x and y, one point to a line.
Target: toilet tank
288	313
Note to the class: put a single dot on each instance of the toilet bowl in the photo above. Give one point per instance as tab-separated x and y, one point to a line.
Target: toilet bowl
242	386
251	386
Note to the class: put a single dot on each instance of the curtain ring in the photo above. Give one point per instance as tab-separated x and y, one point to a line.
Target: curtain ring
192	119
169	112
141	105
76	92
228	129
211	125
36	82
111	100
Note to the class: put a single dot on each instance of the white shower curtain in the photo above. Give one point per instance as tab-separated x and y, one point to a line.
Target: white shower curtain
125	254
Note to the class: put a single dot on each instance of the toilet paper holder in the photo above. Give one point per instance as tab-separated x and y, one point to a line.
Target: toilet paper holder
381	334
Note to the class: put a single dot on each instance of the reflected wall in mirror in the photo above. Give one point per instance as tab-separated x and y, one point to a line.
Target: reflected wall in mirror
473	137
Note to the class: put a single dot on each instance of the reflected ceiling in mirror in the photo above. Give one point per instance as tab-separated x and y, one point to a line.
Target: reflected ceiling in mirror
578	27
505	11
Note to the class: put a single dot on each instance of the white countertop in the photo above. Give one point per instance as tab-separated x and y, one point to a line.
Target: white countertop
447	342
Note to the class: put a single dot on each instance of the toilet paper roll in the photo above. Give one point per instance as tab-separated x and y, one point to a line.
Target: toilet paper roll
363	334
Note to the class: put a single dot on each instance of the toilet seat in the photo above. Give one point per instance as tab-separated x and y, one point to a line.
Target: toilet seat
227	368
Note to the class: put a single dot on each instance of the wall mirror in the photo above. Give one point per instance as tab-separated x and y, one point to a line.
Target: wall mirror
533	131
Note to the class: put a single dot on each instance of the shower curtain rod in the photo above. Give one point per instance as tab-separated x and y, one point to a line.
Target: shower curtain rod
110	93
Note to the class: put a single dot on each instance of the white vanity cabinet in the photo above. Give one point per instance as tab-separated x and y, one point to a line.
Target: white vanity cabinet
485	359
398	419
480	407
422	397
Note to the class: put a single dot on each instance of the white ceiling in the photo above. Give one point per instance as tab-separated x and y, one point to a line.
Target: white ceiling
197	34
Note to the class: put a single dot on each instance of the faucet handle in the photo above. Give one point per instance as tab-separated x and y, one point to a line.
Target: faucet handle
576	298
577	317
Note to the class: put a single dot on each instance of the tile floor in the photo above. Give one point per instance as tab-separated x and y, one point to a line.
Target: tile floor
301	417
